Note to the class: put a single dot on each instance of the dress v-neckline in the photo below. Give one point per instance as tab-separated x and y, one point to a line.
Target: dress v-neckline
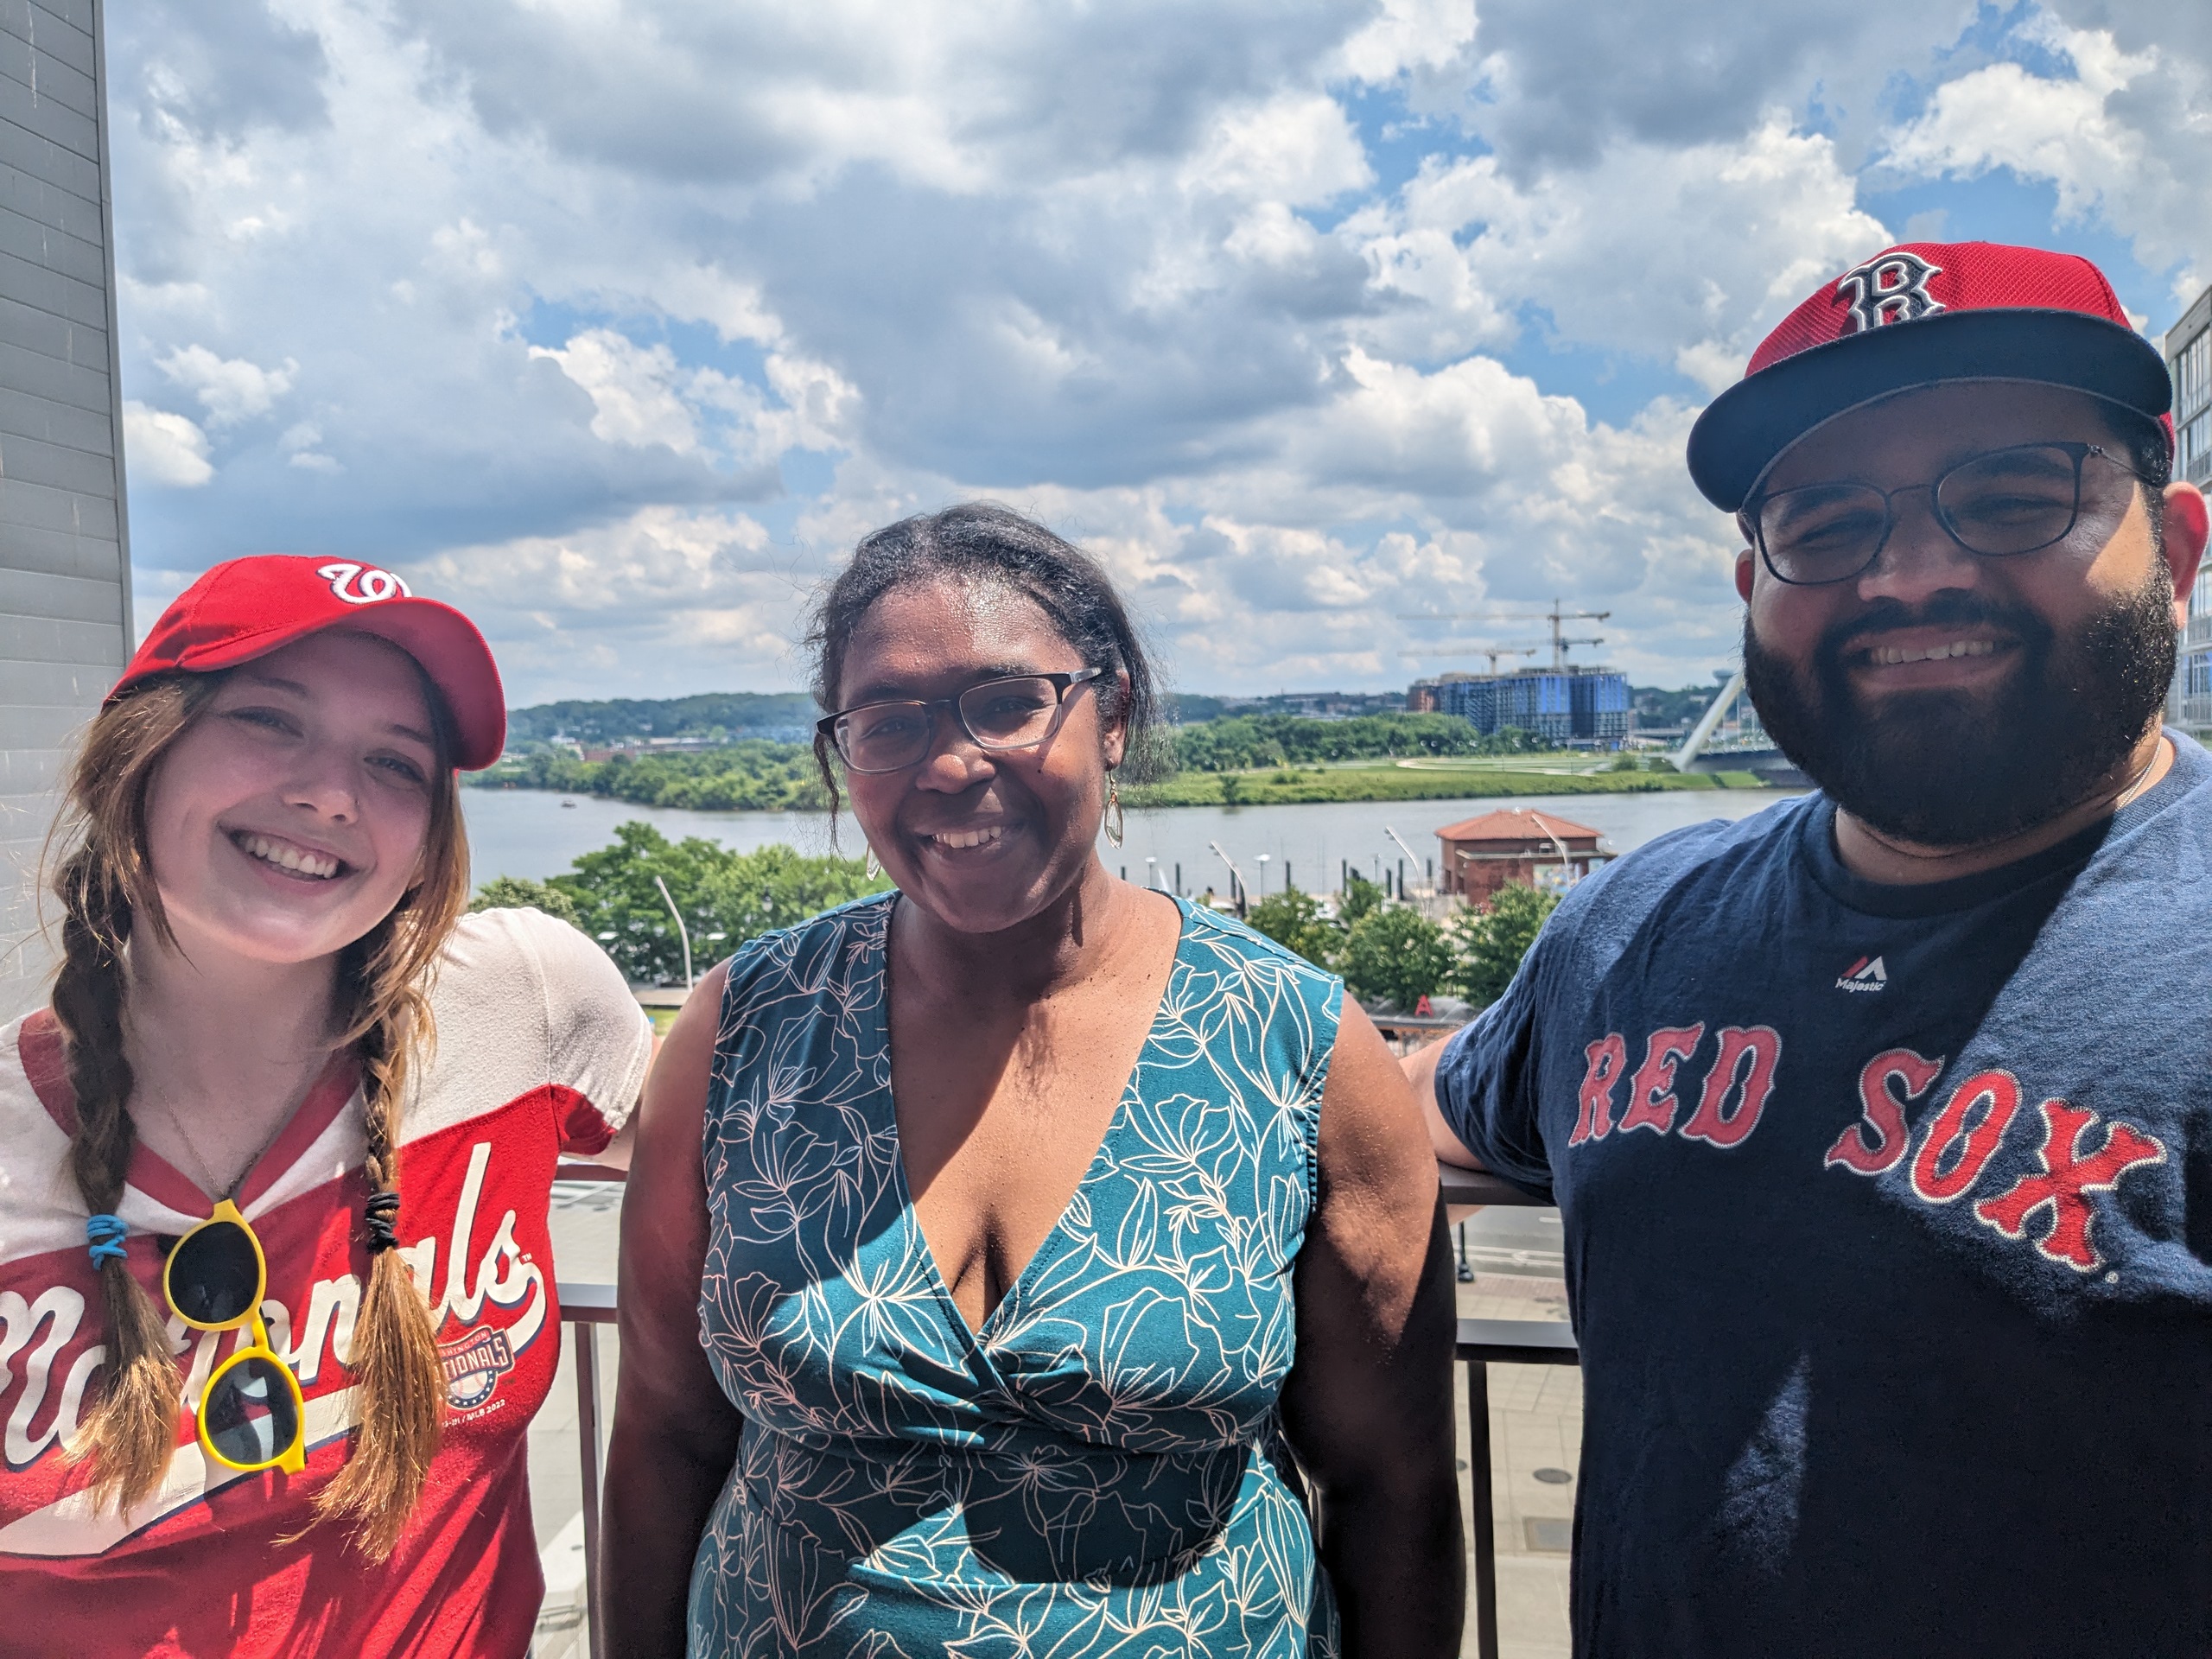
976	1336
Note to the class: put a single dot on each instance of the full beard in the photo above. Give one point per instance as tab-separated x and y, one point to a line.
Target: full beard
1961	769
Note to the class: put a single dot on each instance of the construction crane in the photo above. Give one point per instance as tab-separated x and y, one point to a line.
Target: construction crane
1491	652
1557	616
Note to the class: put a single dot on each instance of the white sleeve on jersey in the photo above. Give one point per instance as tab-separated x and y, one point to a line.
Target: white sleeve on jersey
524	1000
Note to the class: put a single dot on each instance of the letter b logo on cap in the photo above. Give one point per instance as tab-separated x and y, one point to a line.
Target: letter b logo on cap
1890	288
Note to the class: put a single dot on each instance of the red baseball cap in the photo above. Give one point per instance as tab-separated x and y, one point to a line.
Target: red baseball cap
248	608
1914	314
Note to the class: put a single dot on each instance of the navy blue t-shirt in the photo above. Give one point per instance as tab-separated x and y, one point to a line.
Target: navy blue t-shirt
1888	1213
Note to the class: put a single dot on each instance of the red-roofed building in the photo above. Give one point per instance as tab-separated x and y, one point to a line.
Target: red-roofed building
1536	850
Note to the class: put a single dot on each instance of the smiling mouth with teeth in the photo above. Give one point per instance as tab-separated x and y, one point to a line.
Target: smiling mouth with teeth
297	860
960	840
1892	656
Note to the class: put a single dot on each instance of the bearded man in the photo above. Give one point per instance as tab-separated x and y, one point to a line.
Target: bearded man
1880	1124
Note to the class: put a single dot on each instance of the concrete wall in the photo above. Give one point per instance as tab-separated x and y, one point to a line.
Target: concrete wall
65	562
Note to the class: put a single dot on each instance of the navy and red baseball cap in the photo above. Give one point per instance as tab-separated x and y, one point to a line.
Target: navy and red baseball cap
248	608
1913	315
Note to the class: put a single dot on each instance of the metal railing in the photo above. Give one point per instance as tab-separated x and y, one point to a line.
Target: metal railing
1482	1344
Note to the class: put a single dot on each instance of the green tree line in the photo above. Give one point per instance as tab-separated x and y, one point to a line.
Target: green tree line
1242	742
782	714
1395	953
1383	949
752	775
759	774
724	897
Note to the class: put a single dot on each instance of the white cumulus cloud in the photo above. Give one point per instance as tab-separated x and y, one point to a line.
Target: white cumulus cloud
620	322
230	389
162	447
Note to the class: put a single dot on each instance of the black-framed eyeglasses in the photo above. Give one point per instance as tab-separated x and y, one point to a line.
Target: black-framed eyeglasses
1017	712
1998	504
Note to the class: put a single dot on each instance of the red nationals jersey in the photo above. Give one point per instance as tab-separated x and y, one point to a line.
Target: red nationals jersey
540	1051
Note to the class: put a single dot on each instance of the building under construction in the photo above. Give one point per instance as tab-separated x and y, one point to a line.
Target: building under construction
1561	705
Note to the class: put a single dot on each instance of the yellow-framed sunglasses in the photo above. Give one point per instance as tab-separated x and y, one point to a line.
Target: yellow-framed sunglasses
252	1414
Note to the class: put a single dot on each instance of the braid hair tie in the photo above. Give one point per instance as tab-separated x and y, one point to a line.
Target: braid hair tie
384	1217
104	1235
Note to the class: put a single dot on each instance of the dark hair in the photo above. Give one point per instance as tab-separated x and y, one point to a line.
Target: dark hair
982	541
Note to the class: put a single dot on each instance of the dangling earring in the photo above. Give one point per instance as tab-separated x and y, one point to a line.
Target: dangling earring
1117	824
874	868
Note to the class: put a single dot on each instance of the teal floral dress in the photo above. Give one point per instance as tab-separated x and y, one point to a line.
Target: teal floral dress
1101	1470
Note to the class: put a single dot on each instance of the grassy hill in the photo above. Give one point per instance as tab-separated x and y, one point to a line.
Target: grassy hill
784	716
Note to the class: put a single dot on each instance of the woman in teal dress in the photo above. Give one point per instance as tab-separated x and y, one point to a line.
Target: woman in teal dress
1015	1263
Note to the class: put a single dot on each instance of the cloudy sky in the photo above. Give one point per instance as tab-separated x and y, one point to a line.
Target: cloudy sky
615	322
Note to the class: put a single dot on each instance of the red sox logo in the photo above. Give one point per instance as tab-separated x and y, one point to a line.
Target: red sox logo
1964	1137
362	584
1961	1139
1889	287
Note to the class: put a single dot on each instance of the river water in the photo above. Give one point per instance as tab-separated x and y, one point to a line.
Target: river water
529	832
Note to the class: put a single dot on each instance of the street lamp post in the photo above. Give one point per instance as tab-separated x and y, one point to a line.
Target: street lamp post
683	933
1264	857
1237	875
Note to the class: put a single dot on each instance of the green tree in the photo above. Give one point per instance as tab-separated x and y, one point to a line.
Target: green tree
725	898
1247	741
1491	942
518	893
750	775
1360	897
1294	920
1397	953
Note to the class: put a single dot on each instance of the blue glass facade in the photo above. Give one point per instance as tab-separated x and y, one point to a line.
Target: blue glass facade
1561	706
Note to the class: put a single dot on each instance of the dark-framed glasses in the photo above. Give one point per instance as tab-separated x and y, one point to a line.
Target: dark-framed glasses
1017	712
252	1415
1998	504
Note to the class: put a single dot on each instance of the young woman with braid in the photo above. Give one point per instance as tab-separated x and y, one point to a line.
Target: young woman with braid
277	1297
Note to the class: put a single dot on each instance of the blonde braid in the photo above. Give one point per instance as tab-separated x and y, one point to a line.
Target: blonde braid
395	1355
130	1432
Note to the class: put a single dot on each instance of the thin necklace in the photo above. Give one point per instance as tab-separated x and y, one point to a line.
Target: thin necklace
200	1169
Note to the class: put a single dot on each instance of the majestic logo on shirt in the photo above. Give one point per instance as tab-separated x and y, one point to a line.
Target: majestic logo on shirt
473	1364
362	584
1890	288
1964	1137
1866	974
